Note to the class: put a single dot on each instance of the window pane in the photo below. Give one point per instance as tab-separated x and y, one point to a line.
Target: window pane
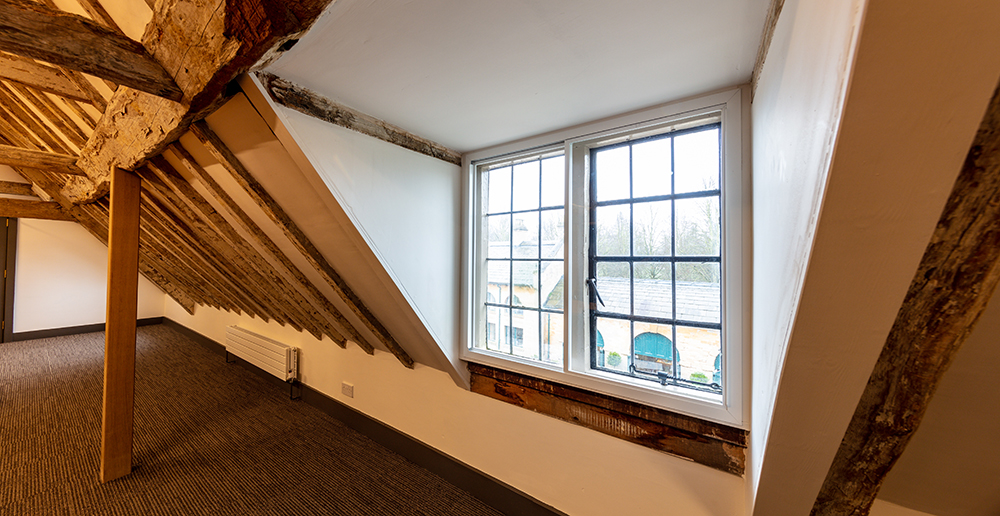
653	290
498	186
698	228
526	186
552	338
654	350
526	284
492	326
498	280
616	351
696	161
500	343
651	168
613	285
525	235
552	233
651	229
613	230
699	293
699	348
552	285
612	174
498	236
525	334
553	181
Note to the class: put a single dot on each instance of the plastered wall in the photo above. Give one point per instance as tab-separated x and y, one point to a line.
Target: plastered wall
61	278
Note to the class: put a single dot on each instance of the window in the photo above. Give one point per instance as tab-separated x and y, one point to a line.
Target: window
617	249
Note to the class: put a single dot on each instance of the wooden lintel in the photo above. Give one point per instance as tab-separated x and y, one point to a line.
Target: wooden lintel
317	106
698	441
40	160
956	278
13	188
298	238
23	209
41	77
119	347
72	41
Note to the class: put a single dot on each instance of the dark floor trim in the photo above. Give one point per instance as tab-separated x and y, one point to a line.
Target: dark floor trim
74	330
490	490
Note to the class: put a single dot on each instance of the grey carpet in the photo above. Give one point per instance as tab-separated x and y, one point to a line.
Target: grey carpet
210	438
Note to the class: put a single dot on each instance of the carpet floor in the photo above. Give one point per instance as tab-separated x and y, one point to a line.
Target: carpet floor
210	438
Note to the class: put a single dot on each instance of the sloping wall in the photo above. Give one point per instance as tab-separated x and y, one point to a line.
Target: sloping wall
920	78
61	278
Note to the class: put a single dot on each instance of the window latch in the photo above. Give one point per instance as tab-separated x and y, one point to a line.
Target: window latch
593	285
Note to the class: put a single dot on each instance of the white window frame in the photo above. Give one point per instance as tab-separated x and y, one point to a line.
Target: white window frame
732	108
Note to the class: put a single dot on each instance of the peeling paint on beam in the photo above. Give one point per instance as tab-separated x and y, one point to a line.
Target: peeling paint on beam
317	106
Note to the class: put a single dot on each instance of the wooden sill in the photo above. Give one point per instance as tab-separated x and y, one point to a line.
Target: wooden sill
712	444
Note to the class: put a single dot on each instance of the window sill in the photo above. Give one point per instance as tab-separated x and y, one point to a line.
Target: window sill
711	444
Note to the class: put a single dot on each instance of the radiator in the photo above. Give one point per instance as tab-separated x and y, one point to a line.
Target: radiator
276	358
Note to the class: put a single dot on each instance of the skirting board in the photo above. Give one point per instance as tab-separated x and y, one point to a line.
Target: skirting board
488	489
73	330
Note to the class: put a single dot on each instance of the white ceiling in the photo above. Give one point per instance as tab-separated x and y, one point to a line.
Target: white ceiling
475	73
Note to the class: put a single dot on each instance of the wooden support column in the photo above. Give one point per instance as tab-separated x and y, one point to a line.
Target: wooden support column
119	343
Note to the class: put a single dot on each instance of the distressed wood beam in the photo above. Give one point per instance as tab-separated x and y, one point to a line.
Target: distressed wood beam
773	12
13	188
58	118
32	122
317	106
72	41
119	347
330	312
48	161
204	45
39	76
298	238
956	278
22	209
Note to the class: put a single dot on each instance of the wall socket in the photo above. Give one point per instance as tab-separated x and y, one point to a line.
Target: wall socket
347	389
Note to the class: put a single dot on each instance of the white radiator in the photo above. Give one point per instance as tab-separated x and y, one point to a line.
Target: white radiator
276	358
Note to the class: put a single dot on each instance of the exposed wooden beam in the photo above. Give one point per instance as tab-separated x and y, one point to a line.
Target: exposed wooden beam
119	347
12	188
41	77
327	311
957	276
23	209
770	23
48	161
204	46
32	122
298	238
56	117
315	105
69	40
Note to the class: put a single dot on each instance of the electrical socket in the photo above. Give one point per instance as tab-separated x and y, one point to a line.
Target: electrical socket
347	389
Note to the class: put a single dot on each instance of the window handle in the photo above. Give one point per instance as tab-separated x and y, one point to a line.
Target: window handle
593	285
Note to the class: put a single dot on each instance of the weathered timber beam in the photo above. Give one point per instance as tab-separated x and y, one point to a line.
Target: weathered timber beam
956	278
58	118
317	106
220	234
298	238
327	314
48	161
204	45
12	188
41	77
22	209
32	122
72	41
330	312
773	12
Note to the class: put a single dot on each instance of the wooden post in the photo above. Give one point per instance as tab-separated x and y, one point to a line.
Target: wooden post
119	343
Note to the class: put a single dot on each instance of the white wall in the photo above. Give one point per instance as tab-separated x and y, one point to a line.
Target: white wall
883	508
574	469
886	126
61	278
